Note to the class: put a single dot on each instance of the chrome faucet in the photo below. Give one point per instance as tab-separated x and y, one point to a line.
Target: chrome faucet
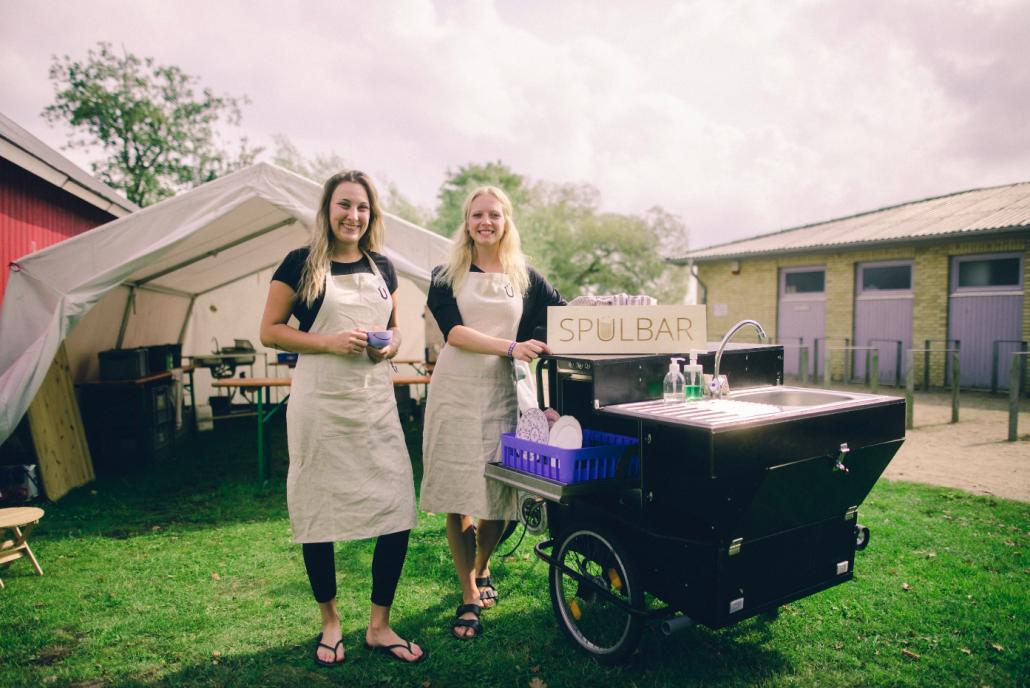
719	387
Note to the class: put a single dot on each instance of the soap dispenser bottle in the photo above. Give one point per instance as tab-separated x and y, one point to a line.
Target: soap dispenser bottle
672	386
695	377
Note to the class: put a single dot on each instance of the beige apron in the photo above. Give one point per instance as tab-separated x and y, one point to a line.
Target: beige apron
350	474
471	402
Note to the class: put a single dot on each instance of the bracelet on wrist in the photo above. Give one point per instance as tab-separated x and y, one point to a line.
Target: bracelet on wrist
511	349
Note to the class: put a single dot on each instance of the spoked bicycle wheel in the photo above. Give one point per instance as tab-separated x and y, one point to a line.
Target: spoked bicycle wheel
593	608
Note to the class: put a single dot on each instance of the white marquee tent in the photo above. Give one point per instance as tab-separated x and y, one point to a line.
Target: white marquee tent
189	269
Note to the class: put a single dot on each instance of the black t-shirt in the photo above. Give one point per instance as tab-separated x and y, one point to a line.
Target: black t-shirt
539	296
289	271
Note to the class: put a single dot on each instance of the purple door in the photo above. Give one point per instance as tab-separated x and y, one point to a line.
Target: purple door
985	311
801	315
883	317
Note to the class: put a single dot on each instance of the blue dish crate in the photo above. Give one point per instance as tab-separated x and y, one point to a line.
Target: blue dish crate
597	460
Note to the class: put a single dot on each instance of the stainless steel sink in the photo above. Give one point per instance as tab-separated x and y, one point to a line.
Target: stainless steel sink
794	397
750	406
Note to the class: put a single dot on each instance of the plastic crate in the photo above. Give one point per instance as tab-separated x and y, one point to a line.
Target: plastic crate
159	356
123	364
597	460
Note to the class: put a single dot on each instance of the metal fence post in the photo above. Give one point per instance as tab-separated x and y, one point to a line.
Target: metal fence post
815	360
954	386
994	366
1015	375
827	358
875	374
926	366
910	384
803	363
898	378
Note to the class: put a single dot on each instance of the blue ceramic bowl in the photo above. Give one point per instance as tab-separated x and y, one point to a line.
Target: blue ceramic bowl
378	340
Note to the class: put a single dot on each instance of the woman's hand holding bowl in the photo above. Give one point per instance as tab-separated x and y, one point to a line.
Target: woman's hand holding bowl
348	342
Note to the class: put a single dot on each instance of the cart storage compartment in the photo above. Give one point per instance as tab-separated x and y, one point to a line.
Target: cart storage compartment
718	588
756	481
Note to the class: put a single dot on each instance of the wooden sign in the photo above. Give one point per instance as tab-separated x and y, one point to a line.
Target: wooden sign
626	329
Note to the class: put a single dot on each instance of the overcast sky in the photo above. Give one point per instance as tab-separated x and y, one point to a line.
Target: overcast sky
740	117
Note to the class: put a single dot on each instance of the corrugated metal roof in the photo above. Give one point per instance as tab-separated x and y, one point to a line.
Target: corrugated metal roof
994	209
61	169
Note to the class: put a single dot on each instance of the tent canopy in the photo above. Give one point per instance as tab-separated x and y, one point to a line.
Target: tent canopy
184	247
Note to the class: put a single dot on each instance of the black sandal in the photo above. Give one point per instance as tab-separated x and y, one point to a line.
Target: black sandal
474	624
490	593
322	662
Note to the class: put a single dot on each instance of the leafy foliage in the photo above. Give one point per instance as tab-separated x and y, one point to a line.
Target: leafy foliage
157	131
579	248
317	169
459	184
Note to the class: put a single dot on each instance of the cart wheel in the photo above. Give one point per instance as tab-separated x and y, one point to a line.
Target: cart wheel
594	622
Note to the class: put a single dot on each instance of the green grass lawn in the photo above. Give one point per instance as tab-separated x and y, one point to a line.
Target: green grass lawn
184	574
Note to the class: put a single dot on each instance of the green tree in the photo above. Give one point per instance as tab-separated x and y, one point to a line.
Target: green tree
580	249
584	251
460	184
317	169
158	133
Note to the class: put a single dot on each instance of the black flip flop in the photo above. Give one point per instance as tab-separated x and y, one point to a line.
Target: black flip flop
474	624
490	593
322	662
389	650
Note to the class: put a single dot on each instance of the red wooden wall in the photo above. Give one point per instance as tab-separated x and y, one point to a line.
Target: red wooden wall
35	214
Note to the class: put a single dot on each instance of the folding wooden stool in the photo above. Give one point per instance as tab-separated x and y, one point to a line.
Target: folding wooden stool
20	520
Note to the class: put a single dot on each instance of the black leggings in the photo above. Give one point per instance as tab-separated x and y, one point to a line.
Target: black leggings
387	562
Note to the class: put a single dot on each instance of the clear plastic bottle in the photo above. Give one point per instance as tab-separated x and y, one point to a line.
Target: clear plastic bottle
672	385
693	388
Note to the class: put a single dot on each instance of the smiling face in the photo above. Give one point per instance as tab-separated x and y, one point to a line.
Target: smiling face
485	220
349	213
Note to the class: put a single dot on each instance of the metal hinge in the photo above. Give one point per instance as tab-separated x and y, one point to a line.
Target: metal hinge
735	546
850	514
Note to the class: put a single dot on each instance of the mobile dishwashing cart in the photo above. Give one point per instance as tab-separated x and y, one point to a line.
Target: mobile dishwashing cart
710	511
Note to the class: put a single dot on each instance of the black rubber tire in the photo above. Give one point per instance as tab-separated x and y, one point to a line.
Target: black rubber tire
612	634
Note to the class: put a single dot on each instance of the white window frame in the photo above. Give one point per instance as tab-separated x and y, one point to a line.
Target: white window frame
998	290
863	294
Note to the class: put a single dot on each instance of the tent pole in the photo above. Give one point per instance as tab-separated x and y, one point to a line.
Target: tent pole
186	319
130	305
159	290
237	279
215	251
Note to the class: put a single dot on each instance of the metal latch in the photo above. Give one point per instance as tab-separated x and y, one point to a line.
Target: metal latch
844	451
850	514
735	546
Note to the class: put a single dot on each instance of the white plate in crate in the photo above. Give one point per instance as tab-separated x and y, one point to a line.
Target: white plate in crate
566	433
533	426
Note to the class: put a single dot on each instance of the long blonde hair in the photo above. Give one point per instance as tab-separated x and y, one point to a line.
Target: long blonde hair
509	251
320	243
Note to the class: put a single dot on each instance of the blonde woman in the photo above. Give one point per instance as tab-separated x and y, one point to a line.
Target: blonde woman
487	303
350	474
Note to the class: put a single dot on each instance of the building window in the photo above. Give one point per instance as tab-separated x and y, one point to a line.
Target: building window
807	282
991	272
887	277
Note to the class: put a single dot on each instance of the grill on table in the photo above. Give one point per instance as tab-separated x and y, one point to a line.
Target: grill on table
720	510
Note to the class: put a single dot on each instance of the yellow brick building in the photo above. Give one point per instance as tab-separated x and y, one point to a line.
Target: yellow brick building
940	270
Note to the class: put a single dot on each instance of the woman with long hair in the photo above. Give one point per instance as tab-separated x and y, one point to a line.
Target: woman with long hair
350	474
487	302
